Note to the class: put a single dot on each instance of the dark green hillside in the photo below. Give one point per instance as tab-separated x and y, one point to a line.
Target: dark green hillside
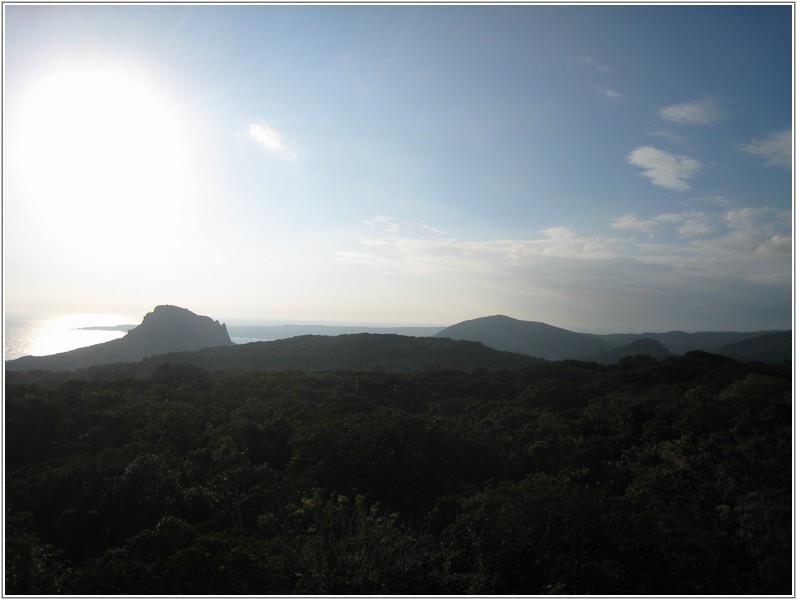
362	351
681	342
772	348
644	477
640	347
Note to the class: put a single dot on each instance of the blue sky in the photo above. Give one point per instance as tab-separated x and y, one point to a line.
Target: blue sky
600	168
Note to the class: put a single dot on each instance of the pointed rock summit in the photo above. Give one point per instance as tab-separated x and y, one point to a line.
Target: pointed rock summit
173	329
166	329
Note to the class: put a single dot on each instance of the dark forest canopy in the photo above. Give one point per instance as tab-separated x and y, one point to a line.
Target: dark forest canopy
642	477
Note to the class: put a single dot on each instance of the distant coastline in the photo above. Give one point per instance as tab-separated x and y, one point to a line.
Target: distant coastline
124	328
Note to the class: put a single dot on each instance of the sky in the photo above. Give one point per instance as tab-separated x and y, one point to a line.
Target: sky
603	168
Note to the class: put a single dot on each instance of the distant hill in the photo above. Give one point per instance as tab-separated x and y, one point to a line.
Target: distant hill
357	352
246	333
553	343
769	348
527	337
641	347
681	342
166	329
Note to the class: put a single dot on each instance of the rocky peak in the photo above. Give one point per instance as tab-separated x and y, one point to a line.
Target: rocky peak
171	328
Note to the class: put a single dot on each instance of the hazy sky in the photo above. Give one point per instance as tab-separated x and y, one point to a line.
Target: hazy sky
599	168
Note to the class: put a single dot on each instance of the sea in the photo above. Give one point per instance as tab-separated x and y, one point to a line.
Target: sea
40	336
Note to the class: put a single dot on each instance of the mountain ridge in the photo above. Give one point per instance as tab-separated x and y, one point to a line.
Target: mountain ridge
175	331
555	343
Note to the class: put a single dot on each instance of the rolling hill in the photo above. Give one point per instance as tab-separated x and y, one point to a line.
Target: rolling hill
527	337
770	348
554	343
681	342
640	347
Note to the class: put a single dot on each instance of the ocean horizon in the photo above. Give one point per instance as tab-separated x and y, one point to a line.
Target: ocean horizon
42	335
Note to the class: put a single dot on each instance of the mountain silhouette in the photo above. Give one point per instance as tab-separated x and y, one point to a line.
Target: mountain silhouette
640	347
527	337
166	329
174	334
681	342
769	348
554	343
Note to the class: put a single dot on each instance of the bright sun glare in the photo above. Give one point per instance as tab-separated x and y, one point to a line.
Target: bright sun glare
100	148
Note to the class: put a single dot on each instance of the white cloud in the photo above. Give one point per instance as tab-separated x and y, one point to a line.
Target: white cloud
270	139
634	223
777	245
706	111
775	148
745	219
689	224
752	244
388	224
428	251
434	230
671	171
609	93
266	137
695	226
756	246
738	270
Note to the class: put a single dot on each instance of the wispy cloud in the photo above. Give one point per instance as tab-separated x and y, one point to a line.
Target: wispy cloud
689	224
751	244
775	148
634	223
695	225
384	223
671	171
735	242
270	139
561	271
609	93
427	250
705	111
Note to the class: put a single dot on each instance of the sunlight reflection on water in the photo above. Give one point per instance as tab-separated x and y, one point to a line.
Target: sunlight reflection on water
43	336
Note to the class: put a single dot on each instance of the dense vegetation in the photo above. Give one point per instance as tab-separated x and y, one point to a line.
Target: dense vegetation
644	477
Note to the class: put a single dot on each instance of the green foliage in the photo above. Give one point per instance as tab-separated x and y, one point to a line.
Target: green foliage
644	477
